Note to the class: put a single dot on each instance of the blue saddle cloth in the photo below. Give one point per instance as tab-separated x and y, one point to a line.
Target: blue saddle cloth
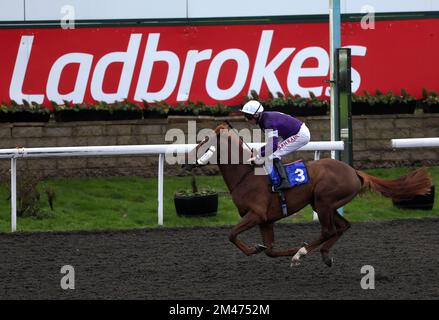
296	172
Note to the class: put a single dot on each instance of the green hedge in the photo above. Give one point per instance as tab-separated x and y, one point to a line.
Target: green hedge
367	103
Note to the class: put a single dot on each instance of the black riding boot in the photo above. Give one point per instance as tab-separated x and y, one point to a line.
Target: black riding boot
284	183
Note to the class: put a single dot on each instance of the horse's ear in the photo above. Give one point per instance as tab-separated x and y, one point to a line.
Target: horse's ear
227	125
220	127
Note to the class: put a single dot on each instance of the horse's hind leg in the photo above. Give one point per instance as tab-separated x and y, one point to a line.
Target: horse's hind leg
267	233
342	225
327	200
328	230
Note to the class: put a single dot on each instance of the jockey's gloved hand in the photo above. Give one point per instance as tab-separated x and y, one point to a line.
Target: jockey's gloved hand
255	157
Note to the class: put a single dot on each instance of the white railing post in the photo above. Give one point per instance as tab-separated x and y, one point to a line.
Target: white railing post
315	217
160	189
13	194
317	155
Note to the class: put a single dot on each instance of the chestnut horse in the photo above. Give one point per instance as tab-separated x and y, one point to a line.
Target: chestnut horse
332	185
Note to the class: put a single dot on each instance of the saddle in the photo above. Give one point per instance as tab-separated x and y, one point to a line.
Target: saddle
297	174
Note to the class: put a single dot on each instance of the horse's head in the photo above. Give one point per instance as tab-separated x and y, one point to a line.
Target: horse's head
222	145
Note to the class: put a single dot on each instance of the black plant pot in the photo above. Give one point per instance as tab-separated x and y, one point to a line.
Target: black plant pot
125	115
433	108
172	112
403	108
419	202
360	108
197	205
96	115
80	115
24	117
154	115
309	111
363	108
301	111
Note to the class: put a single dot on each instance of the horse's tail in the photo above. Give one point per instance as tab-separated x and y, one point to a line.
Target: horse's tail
414	183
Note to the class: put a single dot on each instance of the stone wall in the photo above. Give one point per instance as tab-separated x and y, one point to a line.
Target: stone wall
372	136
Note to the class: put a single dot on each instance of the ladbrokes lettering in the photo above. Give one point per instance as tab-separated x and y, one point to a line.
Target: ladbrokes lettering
145	69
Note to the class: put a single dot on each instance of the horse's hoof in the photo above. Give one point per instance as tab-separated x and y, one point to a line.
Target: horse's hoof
260	247
295	260
294	263
328	261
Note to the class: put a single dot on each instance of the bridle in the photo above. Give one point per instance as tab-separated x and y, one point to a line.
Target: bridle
206	139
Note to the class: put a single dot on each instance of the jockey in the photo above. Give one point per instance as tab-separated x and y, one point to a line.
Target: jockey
295	134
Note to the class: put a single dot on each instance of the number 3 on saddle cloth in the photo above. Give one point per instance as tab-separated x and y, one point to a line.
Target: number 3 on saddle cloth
297	174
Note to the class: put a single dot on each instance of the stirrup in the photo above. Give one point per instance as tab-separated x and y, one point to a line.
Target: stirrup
284	185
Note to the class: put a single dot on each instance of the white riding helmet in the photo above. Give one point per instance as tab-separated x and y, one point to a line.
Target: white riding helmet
252	107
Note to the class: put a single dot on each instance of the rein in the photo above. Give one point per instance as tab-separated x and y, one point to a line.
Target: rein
244	176
252	165
239	137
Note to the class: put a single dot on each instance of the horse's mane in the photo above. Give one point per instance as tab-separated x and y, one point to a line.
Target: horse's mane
230	132
233	136
221	126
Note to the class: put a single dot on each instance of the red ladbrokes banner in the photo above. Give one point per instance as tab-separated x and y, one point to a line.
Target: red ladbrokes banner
211	63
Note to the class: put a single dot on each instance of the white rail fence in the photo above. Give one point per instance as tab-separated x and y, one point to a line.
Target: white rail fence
415	143
160	149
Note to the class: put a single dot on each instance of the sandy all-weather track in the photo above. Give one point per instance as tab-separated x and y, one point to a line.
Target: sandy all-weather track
200	263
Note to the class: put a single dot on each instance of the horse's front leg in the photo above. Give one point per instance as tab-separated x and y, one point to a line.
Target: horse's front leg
250	220
267	233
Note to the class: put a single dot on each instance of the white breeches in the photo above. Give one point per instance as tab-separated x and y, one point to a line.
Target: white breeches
289	145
